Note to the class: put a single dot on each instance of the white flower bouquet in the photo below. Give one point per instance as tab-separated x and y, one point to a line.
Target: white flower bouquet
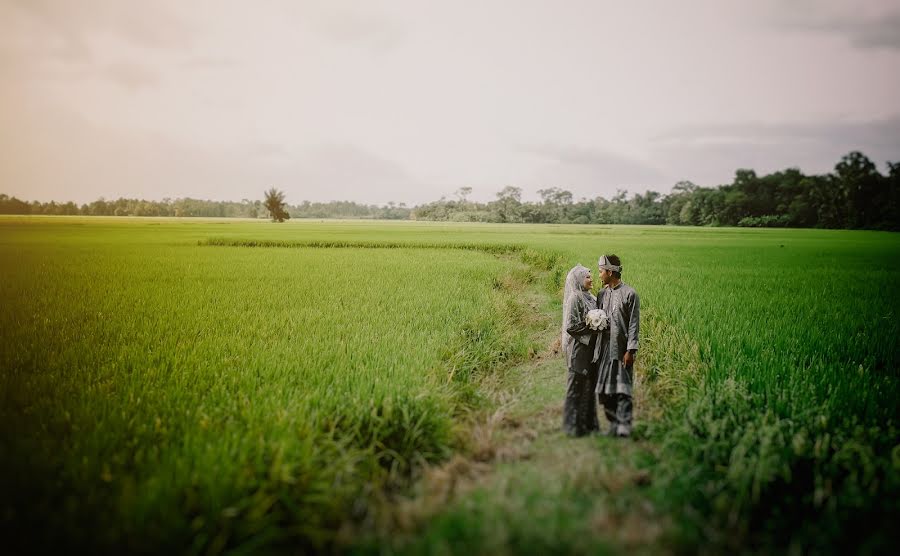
597	319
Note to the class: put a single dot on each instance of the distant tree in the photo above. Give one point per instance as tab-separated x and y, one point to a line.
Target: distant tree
795	201
11	205
647	209
276	206
511	193
891	211
861	185
688	214
509	204
675	201
828	201
100	208
555	196
555	203
463	194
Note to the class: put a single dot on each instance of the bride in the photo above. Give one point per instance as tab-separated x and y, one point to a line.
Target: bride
577	343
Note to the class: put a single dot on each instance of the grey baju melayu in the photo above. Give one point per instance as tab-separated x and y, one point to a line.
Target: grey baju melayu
580	409
615	380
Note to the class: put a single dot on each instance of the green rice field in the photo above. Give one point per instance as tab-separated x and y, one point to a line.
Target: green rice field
227	386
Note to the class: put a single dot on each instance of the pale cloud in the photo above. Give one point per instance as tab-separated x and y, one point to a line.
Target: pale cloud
592	172
363	29
58	40
53	153
146	24
883	32
345	171
131	75
407	101
881	133
864	23
868	33
209	63
268	151
60	155
709	154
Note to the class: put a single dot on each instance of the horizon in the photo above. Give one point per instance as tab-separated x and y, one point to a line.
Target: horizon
403	204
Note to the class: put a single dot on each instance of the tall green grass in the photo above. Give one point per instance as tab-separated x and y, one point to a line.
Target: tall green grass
773	355
787	437
771	358
160	395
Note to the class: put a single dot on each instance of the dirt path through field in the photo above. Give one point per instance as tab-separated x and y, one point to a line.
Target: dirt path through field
522	486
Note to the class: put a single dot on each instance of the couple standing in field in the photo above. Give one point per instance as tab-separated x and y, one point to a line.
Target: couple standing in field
599	341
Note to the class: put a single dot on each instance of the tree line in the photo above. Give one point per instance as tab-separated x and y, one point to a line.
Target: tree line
854	195
188	207
138	207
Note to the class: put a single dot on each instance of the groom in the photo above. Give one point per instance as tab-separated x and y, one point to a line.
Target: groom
617	346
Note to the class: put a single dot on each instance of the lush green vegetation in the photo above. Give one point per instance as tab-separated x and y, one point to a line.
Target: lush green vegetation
160	393
245	384
854	195
790	433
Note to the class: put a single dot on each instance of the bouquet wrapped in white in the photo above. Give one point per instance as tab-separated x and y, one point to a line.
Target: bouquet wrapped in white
597	319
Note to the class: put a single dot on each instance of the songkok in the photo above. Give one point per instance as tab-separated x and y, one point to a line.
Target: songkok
605	264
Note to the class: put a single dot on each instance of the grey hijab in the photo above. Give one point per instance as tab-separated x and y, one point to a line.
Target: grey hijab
574	288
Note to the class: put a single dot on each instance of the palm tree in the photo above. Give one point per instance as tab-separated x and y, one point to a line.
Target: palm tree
275	205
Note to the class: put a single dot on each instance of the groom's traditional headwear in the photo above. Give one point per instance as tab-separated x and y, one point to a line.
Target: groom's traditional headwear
606	264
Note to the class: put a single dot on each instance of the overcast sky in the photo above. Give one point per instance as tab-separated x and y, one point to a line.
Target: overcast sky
409	100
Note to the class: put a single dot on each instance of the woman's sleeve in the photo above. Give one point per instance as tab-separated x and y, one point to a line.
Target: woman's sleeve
576	325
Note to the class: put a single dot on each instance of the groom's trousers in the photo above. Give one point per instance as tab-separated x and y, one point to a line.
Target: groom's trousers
618	410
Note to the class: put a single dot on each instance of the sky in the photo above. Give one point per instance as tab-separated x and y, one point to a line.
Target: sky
410	100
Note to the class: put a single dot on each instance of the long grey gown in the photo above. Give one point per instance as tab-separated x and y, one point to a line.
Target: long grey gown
580	408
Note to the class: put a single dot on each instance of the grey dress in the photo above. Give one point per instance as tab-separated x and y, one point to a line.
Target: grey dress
580	408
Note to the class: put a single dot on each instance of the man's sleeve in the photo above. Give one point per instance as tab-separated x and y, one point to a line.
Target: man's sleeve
634	323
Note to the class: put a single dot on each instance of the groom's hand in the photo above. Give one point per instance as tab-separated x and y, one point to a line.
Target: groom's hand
628	360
